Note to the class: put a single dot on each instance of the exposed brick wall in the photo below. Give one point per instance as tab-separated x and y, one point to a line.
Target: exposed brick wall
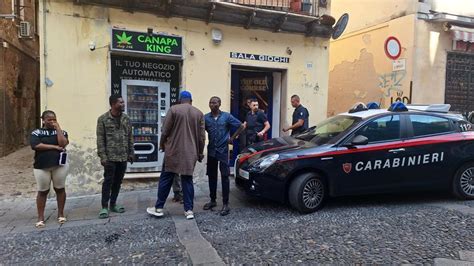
19	80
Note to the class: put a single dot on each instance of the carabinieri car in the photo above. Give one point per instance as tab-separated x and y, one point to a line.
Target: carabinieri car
363	151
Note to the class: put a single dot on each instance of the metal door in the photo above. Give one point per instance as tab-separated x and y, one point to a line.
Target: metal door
459	91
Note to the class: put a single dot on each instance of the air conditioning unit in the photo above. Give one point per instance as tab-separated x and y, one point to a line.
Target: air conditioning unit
25	29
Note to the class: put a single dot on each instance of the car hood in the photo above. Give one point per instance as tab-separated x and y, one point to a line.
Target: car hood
275	145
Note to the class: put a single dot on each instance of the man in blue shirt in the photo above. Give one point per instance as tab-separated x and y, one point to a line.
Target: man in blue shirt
218	125
300	117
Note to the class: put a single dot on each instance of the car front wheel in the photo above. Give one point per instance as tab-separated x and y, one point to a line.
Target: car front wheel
307	193
463	182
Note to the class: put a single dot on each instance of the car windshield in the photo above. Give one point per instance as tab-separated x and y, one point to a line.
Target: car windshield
329	130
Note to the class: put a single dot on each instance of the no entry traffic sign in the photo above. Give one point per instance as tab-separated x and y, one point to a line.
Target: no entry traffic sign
393	48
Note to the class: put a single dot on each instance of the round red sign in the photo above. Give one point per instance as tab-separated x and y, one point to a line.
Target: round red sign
393	48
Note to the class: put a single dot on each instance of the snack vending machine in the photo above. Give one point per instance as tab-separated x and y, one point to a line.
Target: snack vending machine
146	104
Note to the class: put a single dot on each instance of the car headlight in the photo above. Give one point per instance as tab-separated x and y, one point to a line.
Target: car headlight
264	162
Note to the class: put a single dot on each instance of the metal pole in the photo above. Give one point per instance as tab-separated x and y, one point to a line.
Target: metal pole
45	54
3	84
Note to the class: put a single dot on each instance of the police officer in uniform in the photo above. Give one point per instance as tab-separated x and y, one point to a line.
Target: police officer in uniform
300	117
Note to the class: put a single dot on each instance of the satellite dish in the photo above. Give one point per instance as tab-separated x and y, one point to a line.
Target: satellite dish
341	25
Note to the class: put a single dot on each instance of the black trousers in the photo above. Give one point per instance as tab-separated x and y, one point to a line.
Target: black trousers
212	164
113	176
252	138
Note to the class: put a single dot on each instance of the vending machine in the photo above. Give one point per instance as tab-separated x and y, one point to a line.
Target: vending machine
146	104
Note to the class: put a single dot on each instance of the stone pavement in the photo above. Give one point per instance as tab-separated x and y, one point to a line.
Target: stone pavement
466	259
19	216
417	223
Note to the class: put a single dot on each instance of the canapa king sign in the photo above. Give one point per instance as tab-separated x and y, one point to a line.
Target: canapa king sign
142	42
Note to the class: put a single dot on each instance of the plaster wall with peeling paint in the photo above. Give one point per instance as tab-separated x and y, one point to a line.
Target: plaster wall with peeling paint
82	78
360	70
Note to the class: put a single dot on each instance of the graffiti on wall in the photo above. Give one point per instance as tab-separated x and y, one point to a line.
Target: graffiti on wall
391	85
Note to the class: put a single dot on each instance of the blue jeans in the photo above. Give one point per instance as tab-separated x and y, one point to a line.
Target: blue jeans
164	187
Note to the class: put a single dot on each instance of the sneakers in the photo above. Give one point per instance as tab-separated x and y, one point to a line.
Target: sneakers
155	212
159	213
189	215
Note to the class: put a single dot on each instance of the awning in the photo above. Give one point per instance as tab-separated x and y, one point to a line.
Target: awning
462	34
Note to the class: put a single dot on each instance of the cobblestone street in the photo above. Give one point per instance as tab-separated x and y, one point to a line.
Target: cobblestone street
395	229
300	113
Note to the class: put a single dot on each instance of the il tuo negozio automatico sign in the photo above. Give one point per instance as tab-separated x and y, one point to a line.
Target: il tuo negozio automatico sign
142	42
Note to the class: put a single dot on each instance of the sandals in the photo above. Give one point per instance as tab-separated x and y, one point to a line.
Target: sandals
39	224
117	208
104	213
62	220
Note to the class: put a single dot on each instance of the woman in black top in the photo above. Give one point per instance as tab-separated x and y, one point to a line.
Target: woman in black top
49	143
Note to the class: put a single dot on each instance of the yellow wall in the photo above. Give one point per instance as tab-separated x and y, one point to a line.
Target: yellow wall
367	13
82	78
432	44
358	61
429	73
458	7
360	71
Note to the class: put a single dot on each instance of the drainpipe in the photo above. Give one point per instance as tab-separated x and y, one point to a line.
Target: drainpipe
45	54
3	87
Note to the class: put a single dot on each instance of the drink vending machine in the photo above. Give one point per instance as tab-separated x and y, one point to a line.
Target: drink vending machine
146	103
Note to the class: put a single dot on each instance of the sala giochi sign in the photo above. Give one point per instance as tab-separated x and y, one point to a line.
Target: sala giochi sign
142	42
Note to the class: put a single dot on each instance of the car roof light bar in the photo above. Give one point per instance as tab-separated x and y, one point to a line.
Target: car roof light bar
398	107
437	108
358	107
373	105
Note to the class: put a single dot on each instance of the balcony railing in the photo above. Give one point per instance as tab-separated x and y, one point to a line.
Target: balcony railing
307	7
295	16
276	4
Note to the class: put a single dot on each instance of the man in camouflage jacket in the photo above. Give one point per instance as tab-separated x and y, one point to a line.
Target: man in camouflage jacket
115	148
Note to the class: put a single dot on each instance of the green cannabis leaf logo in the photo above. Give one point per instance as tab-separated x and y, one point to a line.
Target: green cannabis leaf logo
124	39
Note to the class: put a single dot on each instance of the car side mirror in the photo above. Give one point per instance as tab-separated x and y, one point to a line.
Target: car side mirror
360	140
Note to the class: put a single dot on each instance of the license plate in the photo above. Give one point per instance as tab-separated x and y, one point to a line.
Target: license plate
244	174
235	165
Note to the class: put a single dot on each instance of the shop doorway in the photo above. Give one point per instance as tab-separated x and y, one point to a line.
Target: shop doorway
263	84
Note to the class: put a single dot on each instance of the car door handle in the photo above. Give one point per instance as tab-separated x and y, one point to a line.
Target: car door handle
397	150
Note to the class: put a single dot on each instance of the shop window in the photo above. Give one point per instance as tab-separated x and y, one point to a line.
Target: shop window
462	46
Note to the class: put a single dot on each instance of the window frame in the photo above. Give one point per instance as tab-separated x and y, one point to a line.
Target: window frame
402	135
411	132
